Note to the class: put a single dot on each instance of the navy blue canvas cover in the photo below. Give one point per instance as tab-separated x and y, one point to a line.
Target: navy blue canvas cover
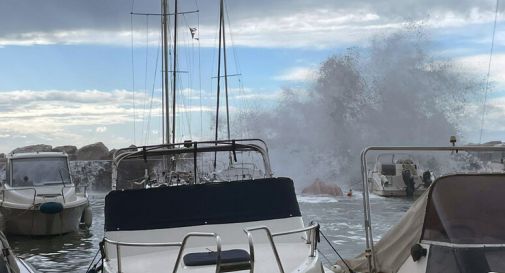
201	204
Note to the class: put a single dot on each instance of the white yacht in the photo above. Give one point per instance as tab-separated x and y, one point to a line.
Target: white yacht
38	196
457	226
397	177
200	207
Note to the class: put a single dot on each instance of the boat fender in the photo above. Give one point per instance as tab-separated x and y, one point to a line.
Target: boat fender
51	207
417	252
87	217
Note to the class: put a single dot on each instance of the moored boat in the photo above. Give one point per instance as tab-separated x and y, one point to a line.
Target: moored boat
38	196
226	216
455	226
398	177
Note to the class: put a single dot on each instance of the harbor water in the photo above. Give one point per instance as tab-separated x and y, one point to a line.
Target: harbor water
341	220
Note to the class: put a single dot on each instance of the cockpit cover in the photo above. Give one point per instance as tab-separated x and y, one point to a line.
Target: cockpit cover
466	209
461	209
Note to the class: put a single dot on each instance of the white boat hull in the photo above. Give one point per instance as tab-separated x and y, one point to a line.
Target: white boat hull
34	222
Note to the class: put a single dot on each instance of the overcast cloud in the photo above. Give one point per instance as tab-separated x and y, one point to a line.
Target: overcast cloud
280	23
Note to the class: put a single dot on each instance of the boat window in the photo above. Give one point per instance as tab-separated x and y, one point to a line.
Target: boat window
163	171
466	209
476	260
28	172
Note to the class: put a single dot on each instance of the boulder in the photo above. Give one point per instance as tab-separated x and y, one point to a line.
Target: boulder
318	187
33	149
68	149
111	153
96	151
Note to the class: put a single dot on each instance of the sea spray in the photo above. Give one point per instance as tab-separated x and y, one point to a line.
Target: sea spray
390	93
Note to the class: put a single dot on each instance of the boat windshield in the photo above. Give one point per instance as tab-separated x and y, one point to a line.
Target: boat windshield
44	171
466	209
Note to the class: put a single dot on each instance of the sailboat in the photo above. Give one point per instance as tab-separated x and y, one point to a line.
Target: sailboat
203	206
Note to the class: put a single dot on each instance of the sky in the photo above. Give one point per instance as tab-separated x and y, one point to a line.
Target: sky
77	72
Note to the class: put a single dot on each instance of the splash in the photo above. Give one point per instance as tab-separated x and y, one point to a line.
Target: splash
390	93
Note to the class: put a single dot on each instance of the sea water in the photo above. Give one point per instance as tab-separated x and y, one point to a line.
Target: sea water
341	220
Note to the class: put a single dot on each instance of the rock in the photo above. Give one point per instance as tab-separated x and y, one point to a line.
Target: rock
2	155
96	151
111	153
68	149
318	187
33	149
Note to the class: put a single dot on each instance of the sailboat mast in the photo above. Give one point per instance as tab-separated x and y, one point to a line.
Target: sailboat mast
225	70
174	72
165	69
219	72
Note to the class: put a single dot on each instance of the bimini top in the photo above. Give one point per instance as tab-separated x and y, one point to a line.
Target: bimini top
36	154
466	209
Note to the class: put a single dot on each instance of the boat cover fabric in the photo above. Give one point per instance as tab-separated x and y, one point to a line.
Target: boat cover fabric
201	204
11	259
466	209
451	212
394	247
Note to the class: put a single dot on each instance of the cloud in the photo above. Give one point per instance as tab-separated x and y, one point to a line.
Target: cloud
57	116
478	64
280	23
298	74
101	129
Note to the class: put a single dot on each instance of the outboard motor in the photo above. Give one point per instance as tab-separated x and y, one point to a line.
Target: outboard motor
427	179
408	179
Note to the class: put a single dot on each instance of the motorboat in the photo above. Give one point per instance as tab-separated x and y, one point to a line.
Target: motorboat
202	207
397	177
38	196
9	262
455	226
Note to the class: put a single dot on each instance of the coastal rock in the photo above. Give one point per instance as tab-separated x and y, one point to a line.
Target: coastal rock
96	151
33	149
111	153
68	149
318	187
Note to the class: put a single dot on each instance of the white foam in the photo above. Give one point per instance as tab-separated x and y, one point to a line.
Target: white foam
314	199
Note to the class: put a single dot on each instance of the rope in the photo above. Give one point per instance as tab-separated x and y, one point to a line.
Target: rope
92	261
488	72
340	257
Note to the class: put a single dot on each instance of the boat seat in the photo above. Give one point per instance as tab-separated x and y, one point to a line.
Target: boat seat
231	260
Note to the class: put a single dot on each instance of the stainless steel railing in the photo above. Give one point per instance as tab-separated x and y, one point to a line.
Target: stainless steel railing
181	246
312	233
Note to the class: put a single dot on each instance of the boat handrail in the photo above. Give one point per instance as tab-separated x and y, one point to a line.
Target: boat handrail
312	238
85	187
181	246
20	189
34	189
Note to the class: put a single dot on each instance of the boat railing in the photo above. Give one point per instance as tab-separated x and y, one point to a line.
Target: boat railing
181	245
312	232
34	189
20	189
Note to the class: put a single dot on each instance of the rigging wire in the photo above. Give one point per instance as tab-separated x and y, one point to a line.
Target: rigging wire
488	73
152	91
145	78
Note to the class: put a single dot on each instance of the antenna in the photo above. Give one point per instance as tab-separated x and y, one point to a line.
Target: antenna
488	72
